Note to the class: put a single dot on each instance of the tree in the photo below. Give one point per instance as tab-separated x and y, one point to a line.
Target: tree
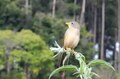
103	28
53	8
82	12
24	51
74	13
118	53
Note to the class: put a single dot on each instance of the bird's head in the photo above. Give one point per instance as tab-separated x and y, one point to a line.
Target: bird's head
73	24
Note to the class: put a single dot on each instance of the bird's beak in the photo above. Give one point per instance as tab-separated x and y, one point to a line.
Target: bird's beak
68	24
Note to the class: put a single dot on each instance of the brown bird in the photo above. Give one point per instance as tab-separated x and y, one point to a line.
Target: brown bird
72	35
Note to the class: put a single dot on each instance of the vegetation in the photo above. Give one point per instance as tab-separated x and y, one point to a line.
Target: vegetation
83	70
23	53
28	28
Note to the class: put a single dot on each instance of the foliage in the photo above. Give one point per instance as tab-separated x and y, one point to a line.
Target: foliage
10	13
13	75
86	46
84	70
50	27
39	20
73	8
110	18
26	48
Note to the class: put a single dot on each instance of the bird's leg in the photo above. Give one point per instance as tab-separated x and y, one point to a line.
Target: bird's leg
67	50
73	51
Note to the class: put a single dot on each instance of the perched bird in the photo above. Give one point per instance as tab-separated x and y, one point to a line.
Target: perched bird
72	35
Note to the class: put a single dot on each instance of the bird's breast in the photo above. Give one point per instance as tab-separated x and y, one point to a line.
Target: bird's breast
71	38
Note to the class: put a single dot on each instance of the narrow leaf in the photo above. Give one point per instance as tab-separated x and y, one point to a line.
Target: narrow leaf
64	68
102	62
92	73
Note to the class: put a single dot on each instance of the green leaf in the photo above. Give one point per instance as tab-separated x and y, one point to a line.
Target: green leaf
92	73
66	68
102	62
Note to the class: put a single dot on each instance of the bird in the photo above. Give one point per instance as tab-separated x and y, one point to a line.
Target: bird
72	35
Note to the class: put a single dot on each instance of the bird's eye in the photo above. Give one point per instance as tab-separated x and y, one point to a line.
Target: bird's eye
72	23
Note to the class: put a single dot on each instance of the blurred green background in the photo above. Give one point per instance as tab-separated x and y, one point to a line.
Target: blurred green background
28	28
